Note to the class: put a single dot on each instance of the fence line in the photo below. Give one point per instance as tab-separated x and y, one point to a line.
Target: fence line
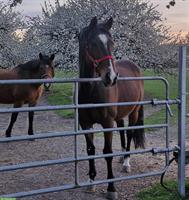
166	150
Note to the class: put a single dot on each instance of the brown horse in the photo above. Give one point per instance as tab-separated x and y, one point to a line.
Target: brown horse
25	93
96	60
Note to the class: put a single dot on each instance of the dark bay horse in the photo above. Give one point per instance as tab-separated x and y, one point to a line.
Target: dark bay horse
96	60
25	93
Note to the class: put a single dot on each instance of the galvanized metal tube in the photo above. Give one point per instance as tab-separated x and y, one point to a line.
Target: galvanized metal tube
72	133
157	150
182	120
72	186
76	134
72	80
167	121
81	106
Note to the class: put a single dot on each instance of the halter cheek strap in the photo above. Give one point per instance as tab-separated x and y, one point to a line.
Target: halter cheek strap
109	57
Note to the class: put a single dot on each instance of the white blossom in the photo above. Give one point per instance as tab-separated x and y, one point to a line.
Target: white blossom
138	31
10	23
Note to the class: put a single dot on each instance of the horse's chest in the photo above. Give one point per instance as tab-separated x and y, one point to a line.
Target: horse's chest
98	114
97	95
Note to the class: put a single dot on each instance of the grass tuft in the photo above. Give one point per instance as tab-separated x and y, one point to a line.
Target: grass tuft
157	192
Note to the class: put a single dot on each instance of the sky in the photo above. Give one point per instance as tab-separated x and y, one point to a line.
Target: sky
177	17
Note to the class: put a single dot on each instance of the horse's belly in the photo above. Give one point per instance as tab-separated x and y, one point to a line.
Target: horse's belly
19	93
124	111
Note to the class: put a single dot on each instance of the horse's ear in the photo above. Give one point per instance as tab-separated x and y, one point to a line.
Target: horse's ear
108	24
52	57
93	22
40	56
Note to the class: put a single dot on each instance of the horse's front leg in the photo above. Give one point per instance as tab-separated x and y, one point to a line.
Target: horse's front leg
111	191
90	151
30	119
13	120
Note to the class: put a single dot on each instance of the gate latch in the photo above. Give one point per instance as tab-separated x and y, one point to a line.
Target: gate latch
165	102
169	109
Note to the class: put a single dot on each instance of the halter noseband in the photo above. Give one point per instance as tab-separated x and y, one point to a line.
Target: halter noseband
96	62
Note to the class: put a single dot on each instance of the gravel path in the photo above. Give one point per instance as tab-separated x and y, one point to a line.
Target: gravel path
57	148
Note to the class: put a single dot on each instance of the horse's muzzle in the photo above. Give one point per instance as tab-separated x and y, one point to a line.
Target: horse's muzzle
115	80
108	82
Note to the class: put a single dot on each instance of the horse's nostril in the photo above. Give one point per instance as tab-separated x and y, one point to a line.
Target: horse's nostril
108	79
115	80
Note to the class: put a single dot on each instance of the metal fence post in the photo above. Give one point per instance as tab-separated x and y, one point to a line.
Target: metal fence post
76	131
182	120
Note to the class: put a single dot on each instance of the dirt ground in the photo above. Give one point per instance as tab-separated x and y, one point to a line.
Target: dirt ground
58	148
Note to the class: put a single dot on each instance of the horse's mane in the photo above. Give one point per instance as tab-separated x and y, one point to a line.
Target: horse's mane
30	65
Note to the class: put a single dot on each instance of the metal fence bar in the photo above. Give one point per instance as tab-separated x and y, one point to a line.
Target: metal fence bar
182	120
84	158
72	80
84	184
72	133
167	121
81	106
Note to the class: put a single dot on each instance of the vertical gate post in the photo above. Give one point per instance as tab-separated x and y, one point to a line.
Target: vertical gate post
182	120
76	131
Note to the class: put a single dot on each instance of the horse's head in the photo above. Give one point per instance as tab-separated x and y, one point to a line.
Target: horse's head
46	68
97	46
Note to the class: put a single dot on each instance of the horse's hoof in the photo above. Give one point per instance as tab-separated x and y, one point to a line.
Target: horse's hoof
91	188
127	169
112	195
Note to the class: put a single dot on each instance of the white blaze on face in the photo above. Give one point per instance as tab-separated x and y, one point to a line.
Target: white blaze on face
103	38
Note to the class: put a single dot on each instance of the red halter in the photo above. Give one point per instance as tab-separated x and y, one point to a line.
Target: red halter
97	61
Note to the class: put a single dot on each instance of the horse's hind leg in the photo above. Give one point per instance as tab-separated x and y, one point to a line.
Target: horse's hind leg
132	121
13	120
120	123
135	119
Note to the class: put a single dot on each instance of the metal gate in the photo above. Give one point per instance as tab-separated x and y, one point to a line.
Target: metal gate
181	101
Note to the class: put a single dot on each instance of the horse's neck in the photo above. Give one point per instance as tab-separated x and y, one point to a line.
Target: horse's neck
8	74
93	91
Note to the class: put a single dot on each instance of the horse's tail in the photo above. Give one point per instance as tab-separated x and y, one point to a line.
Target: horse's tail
138	134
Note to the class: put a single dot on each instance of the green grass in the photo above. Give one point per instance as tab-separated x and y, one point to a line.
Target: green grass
156	89
157	192
62	94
